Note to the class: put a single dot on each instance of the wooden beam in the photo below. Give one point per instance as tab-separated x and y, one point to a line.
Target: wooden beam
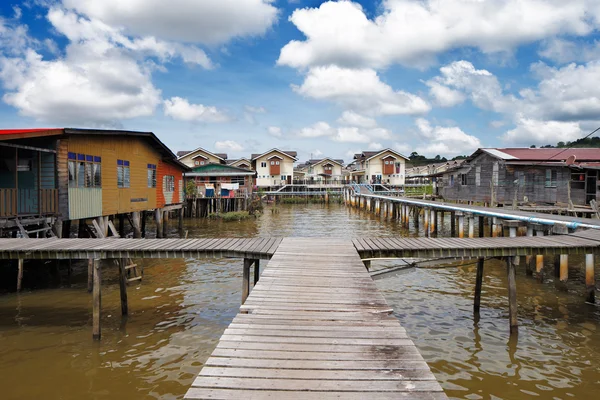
158	219
367	264
165	223
512	295
137	230
20	274
256	271
123	286
590	280
246	279
96	302
90	280
478	284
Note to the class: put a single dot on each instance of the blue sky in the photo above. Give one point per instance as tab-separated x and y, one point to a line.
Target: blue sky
322	78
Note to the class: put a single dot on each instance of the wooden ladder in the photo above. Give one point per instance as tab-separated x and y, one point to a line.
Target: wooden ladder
25	233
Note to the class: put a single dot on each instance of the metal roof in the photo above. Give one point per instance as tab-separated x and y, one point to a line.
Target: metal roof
544	154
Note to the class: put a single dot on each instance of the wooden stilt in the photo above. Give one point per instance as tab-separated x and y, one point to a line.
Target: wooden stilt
432	221
90	280
19	274
426	215
143	223
256	271
158	218
246	279
478	284
123	286
539	259
452	224
512	295
564	267
166	224
180	222
529	259
471	222
137	229
81	229
461	225
590	280
122	225
96	302
481	225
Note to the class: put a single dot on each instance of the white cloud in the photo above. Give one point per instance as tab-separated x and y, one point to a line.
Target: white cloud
375	146
352	134
497	124
359	90
192	21
412	32
228	145
350	118
565	51
182	109
403	148
443	95
94	84
255	110
316	153
531	131
444	140
274	131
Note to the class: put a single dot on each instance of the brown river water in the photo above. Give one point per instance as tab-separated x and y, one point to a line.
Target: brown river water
182	307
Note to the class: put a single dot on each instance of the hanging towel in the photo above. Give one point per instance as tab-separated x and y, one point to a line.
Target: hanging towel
230	186
210	192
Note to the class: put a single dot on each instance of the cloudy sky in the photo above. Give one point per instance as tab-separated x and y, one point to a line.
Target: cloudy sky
323	78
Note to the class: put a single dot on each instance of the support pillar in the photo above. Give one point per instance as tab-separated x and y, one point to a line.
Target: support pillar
122	225
123	286
158	218
564	268
478	283
97	301
512	228
452	224
137	229
256	271
512	295
90	280
165	224
246	279
539	259
471	222
180	222
461	224
143	224
590	281
433	221
20	274
426	221
481	225
529	259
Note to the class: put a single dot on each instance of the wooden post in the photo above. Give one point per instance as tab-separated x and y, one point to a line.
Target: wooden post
256	271
590	281
158	219
20	274
432	221
165	224
493	231
122	225
367	264
180	223
81	228
564	268
512	295
461	224
246	279
529	259
137	230
481	225
471	221
97	302
478	283
123	285
426	214
90	282
512	228
143	224
452	224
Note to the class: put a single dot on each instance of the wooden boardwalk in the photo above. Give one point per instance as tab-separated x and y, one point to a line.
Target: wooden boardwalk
315	327
52	248
584	242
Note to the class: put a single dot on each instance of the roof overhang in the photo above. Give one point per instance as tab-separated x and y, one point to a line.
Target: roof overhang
274	150
388	150
204	151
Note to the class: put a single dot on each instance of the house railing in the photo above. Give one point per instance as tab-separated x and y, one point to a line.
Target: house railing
8	202
14	202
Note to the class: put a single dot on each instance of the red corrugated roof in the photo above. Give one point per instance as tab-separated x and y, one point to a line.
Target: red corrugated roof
19	131
551	154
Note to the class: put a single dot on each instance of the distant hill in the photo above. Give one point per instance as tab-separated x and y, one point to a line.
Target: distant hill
583	142
416	159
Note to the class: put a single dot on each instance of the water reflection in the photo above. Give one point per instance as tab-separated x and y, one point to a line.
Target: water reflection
182	307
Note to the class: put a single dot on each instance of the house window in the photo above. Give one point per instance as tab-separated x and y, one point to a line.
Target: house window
551	178
495	174
169	183
283	177
263	164
152	175
463	179
478	175
84	170
196	162
123	174
237	179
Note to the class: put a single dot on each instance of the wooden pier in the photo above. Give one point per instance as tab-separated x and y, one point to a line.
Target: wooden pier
315	327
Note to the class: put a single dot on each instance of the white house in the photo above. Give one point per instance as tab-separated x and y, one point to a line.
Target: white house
240	163
325	170
274	167
201	157
387	167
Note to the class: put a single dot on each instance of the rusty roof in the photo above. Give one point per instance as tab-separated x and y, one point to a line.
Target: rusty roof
544	154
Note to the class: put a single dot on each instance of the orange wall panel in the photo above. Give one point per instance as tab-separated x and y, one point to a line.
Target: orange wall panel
163	197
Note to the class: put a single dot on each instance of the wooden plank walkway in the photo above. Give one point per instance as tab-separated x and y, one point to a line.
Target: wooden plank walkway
315	327
584	242
52	248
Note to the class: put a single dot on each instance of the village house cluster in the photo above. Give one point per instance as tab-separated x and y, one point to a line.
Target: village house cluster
81	174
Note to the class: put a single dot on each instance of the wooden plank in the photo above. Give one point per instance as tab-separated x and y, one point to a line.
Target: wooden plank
317	364
237	394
